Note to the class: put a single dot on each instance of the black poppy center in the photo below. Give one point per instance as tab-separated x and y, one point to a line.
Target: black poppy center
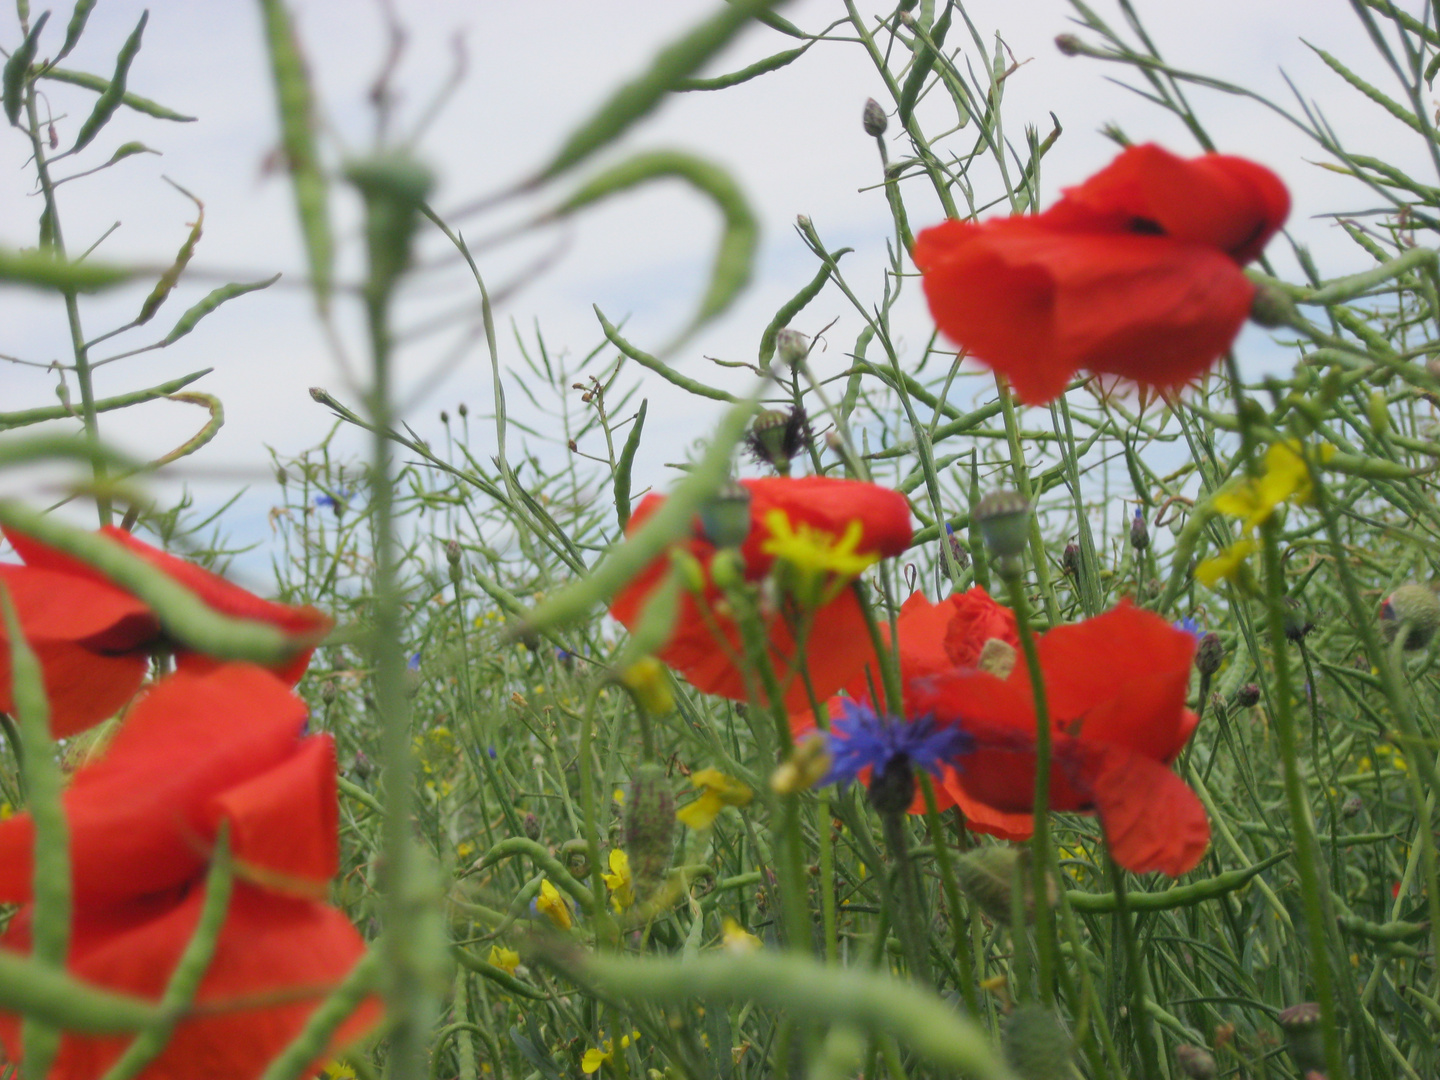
1143	226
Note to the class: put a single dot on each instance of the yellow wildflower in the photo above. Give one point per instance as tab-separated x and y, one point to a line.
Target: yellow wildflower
337	1070
806	766
735	938
814	565
1225	565
646	679
594	1058
717	791
1286	479
507	960
553	906
619	881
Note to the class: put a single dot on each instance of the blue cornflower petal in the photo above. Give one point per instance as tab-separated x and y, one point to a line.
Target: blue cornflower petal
1190	625
861	739
414	662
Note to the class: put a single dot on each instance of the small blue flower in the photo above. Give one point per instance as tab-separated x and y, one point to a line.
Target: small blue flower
861	739
1190	625
324	501
414	662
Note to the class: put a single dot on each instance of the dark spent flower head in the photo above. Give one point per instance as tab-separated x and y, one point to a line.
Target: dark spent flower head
777	436
862	739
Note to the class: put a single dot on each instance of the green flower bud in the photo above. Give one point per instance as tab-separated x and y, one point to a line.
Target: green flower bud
1036	1044
987	876
791	346
649	828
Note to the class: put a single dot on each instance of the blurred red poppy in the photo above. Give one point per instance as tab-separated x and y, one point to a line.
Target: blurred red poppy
1135	273
94	640
1115	686
935	638
198	751
704	646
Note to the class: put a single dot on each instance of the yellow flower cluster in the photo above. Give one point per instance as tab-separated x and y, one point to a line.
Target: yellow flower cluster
717	791
814	565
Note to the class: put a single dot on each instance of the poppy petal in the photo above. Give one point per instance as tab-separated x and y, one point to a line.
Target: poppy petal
274	960
137	816
284	823
1152	820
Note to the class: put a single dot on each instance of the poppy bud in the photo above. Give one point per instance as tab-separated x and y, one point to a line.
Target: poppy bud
725	516
1209	653
791	346
645	678
1272	308
444	418
1414	606
874	118
530	825
452	556
1195	1062
281	476
1303	1037
1377	408
1068	44
892	786
987	875
1004	520
1036	1044
1352	805
463	410
1139	532
1247	695
649	827
777	436
1070	560
958	551
1297	620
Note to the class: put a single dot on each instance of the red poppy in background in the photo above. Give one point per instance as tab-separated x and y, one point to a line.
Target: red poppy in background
198	751
94	640
1115	686
1134	273
837	644
935	638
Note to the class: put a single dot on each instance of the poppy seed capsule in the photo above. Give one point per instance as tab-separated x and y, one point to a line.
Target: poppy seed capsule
1303	1037
777	436
874	119
1209	654
649	828
725	516
1195	1062
1036	1044
1415	606
1004	520
792	346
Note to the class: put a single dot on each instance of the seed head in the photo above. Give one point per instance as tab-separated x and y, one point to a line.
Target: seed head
1004	520
874	119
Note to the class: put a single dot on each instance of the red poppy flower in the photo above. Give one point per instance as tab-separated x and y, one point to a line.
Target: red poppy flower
199	750
935	638
195	751
837	644
1115	686
94	640
275	959
1134	273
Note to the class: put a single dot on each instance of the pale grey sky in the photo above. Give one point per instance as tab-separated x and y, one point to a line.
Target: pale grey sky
791	138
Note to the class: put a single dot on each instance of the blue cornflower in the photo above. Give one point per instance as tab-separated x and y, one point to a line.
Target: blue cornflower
414	662
1190	625
860	739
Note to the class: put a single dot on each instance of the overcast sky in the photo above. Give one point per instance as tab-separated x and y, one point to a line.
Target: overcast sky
792	139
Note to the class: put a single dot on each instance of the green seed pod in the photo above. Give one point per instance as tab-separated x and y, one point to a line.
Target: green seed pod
1303	1037
1377	408
1415	605
649	828
987	876
1036	1044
